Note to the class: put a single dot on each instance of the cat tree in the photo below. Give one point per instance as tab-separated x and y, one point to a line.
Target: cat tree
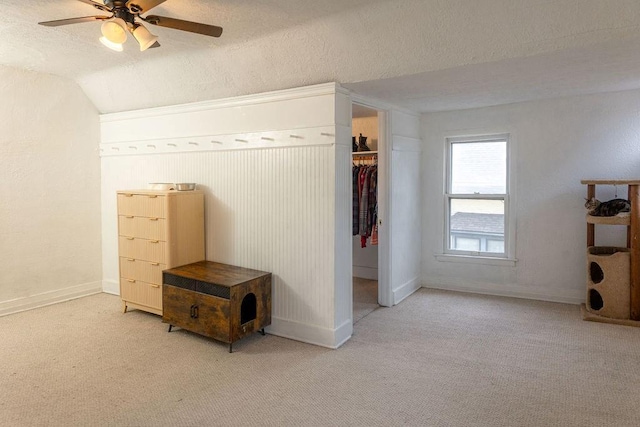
613	273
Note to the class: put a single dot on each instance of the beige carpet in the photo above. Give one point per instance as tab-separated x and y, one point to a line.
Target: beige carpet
365	298
437	359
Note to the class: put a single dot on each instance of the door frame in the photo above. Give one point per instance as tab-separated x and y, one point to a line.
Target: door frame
385	292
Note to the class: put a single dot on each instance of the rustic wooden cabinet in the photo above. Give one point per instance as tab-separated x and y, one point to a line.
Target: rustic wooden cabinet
156	230
220	301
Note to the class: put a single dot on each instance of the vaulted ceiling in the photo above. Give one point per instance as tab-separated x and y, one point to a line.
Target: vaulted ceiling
426	55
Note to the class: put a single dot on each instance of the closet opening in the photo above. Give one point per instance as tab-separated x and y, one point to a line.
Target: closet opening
366	158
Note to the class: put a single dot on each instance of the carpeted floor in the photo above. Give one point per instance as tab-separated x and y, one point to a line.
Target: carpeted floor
437	359
365	298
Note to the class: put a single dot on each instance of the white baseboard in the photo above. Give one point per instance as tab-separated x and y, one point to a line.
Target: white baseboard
50	297
405	290
566	297
111	287
343	333
311	334
370	273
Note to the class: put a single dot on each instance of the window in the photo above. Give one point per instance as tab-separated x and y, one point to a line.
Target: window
477	197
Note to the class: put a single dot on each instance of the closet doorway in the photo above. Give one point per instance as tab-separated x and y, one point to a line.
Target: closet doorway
368	244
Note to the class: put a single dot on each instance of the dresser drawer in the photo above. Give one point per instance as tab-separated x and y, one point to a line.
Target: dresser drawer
150	272
142	249
151	228
147	205
139	292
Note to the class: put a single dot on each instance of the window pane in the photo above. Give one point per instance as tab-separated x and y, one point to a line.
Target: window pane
479	167
466	244
496	246
481	220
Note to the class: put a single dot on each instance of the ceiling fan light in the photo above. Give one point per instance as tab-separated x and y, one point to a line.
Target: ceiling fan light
144	37
113	46
115	30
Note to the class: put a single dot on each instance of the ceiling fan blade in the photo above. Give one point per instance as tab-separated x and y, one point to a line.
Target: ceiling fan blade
97	5
179	24
59	22
142	6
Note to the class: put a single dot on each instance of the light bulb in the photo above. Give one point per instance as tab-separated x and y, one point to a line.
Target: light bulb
144	37
113	46
115	30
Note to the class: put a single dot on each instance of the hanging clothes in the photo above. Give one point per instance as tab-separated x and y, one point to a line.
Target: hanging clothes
355	202
365	202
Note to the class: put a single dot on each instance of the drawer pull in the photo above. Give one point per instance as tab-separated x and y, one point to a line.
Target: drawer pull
152	196
130	238
129	217
194	311
155	264
155	286
153	219
131	281
128	195
154	241
131	259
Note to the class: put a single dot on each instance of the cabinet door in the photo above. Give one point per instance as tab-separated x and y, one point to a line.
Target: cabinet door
202	314
139	292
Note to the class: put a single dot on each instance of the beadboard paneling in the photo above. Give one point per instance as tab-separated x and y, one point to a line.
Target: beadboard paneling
269	209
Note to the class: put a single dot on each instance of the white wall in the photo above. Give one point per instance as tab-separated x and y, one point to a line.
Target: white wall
50	192
556	144
367	126
404	221
270	203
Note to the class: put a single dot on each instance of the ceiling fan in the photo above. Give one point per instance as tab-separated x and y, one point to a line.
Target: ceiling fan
126	16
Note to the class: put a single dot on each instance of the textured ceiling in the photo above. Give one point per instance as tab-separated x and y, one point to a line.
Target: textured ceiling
606	67
427	55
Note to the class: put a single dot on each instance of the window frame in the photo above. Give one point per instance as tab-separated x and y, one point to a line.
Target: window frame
509	229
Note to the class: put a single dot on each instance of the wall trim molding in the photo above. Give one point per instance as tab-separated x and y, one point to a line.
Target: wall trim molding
50	297
310	334
237	101
343	332
406	289
576	298
376	104
111	287
286	138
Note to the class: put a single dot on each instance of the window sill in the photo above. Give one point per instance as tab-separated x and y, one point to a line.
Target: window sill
470	259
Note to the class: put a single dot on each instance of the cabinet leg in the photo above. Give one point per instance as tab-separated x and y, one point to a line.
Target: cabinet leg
124	307
170	326
262	332
230	347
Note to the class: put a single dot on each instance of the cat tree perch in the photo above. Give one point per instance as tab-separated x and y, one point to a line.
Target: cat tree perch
617	265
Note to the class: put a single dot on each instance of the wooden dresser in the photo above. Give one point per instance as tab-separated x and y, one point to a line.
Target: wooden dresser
156	230
217	300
